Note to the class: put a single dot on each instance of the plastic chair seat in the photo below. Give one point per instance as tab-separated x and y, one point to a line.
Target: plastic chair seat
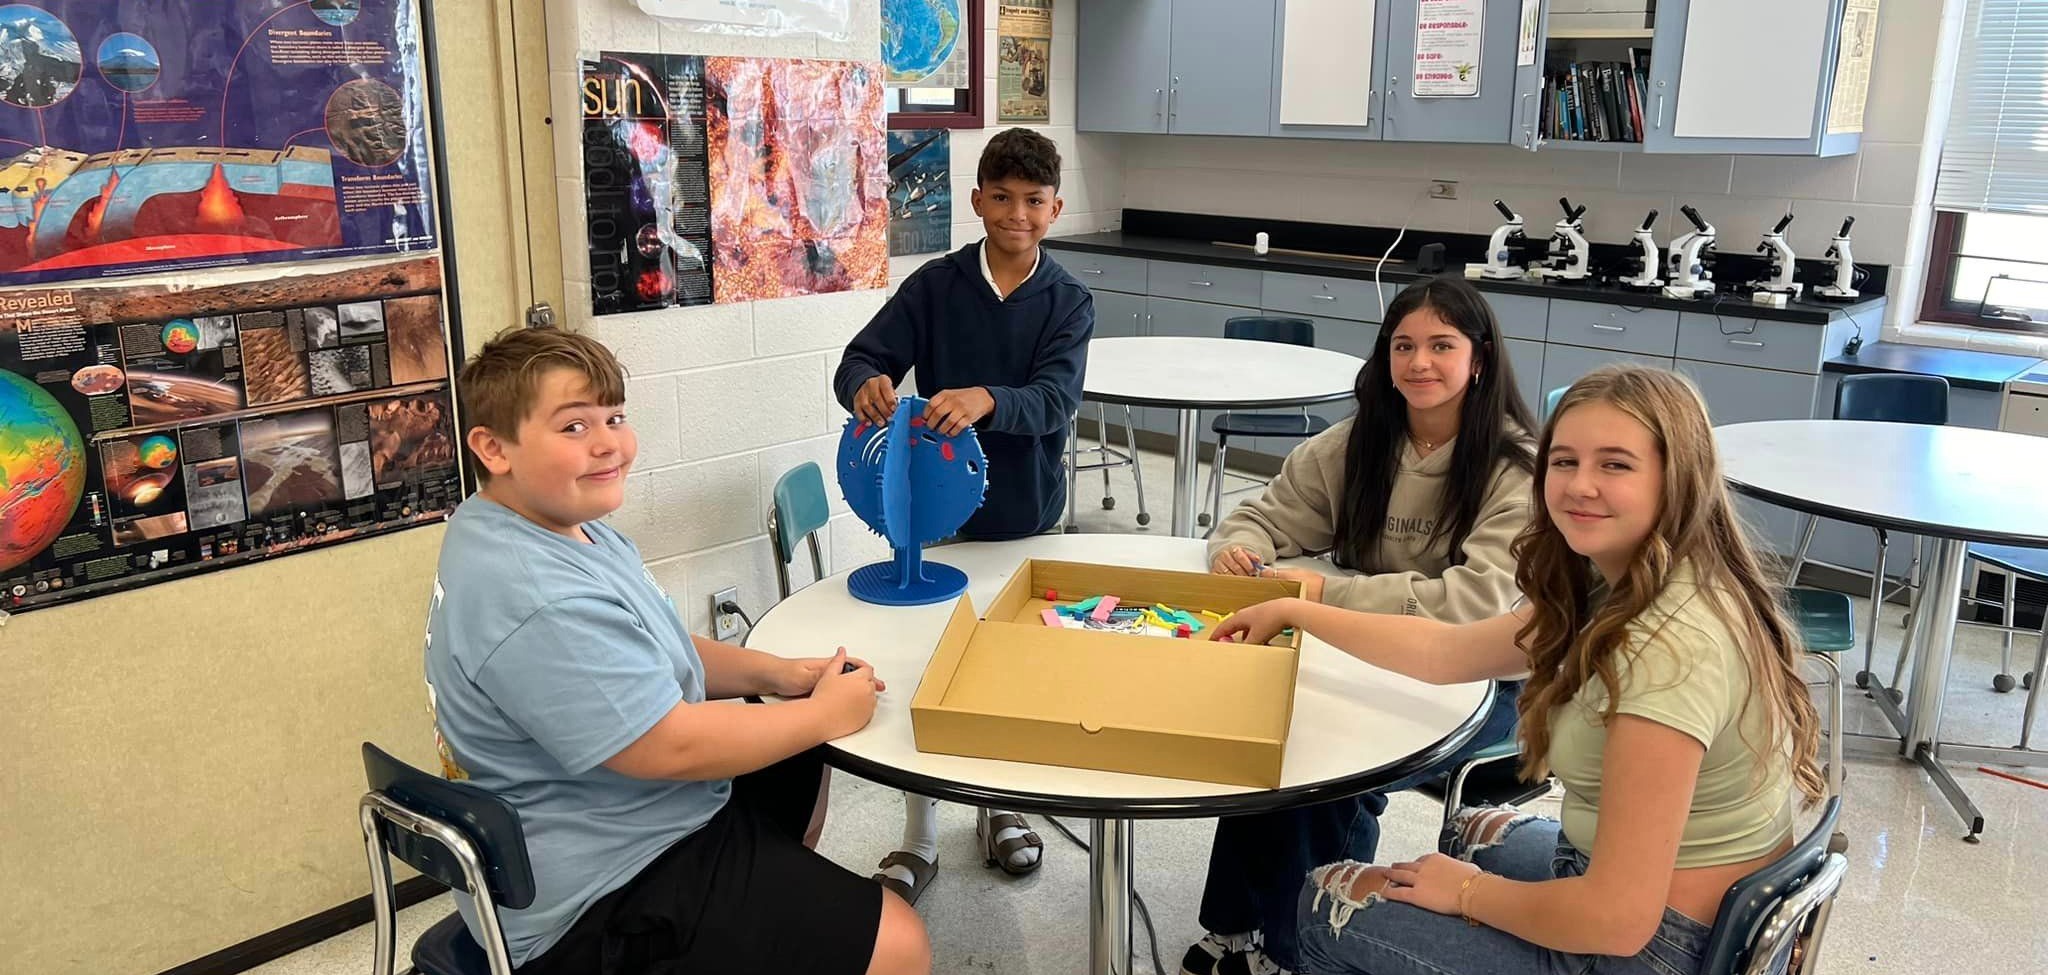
447	949
1268	425
2031	563
1826	619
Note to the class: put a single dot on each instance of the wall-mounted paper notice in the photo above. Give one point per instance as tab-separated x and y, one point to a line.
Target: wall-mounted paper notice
1525	48
1326	67
1448	39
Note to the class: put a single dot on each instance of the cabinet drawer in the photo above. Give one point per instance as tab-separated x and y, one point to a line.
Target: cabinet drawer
1786	346
1200	282
1104	272
1521	316
1648	331
1303	294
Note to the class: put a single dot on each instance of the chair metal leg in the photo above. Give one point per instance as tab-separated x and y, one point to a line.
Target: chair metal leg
2034	689
1216	482
1876	612
2003	682
1799	554
1102	450
1835	705
1073	473
1137	472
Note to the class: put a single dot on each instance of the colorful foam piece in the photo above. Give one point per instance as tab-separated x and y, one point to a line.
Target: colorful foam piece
912	486
1103	607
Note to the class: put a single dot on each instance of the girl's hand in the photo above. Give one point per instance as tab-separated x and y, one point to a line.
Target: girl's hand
1235	561
1257	624
1311	582
1432	883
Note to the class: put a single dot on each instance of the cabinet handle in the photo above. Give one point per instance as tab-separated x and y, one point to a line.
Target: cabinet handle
1528	124
1171	94
1610	328
1090	270
1158	102
1747	343
1659	123
1324	297
1203	284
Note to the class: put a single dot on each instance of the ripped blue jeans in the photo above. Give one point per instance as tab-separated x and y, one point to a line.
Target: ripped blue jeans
1380	937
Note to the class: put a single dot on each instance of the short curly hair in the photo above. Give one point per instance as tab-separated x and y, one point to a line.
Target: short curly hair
1020	154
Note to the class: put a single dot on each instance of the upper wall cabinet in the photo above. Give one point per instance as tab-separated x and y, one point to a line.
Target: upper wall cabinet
1187	67
1764	77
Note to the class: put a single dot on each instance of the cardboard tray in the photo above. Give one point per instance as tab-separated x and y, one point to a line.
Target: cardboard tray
1009	687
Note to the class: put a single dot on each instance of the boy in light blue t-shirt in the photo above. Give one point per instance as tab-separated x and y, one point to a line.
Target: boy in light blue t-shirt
668	822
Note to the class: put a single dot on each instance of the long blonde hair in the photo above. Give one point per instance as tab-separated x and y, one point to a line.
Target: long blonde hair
1571	637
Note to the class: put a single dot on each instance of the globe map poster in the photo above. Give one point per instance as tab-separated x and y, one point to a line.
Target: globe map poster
149	431
921	44
137	137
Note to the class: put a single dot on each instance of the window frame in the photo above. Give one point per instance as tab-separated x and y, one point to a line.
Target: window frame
1944	256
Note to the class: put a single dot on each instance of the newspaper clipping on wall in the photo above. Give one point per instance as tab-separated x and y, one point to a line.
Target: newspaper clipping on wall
1024	62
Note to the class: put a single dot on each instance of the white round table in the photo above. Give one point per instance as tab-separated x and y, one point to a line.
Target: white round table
1356	727
1950	485
1194	374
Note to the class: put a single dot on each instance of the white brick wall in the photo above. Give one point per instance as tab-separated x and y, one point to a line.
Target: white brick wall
1385	183
728	397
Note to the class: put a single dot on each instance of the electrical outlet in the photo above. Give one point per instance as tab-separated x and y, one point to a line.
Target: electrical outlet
1443	189
725	626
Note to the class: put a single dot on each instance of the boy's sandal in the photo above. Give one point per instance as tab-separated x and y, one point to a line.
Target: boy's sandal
988	826
921	873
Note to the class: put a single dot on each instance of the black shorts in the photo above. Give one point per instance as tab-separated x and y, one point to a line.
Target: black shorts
741	894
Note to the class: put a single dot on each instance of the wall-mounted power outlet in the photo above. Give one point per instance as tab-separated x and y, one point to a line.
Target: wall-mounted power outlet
1443	189
725	626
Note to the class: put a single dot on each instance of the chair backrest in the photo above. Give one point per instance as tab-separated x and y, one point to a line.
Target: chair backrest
1893	398
800	509
1751	901
1550	400
488	822
1256	328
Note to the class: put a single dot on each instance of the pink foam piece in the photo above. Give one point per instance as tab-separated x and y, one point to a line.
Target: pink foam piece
1052	618
1103	609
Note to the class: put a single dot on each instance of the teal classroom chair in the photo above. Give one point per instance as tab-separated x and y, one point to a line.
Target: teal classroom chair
800	511
1550	403
1827	625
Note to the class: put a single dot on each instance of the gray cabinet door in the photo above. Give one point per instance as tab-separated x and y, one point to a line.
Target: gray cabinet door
1222	67
1174	316
1526	358
1739	394
1564	364
1366	96
1351	338
1488	117
1672	80
1118	314
1121	65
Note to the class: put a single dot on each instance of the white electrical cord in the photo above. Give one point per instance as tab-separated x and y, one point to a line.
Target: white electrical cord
1378	291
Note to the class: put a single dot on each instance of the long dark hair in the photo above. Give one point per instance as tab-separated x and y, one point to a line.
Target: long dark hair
1492	426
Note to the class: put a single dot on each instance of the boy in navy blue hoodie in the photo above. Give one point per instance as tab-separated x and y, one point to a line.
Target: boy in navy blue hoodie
998	333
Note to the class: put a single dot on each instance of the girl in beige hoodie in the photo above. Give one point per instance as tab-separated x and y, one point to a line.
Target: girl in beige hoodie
1419	496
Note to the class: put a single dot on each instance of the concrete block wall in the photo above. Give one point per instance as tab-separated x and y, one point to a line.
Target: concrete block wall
726	398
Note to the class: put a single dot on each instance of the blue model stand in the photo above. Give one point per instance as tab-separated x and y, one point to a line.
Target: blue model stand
912	486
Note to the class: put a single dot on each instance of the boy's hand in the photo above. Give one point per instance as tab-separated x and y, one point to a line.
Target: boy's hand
954	410
1256	624
1311	582
847	699
796	678
875	401
1235	561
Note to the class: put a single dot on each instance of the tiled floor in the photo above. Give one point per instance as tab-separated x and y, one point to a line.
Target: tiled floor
1917	899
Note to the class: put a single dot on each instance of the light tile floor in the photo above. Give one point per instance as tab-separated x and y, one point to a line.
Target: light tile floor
1917	898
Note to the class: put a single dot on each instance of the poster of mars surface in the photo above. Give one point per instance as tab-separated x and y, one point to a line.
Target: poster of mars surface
799	177
143	137
150	429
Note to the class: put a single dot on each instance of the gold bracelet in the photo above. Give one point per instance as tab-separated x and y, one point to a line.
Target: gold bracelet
1465	897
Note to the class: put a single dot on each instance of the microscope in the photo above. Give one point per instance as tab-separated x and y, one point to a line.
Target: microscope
1843	287
1648	264
1685	267
1569	252
1782	264
1500	247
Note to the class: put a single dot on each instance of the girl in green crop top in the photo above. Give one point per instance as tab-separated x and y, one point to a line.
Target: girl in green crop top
1662	691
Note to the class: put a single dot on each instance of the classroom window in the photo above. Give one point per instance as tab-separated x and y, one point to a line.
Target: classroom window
1988	265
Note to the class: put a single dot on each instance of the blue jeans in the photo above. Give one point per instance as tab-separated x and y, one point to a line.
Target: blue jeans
1257	862
1385	938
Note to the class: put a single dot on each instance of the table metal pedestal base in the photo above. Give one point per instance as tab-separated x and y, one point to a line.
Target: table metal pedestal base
1109	897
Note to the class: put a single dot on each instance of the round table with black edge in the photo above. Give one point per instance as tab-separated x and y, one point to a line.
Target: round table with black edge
1190	374
1355	728
1950	485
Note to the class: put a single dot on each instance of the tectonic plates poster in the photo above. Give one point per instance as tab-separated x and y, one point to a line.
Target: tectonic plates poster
146	135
